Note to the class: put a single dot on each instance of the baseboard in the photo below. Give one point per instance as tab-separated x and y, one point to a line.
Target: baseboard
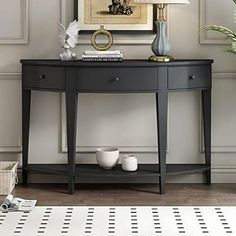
224	174
220	174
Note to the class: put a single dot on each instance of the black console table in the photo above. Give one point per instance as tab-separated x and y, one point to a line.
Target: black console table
129	76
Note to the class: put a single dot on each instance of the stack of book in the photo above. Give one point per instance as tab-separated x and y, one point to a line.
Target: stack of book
102	56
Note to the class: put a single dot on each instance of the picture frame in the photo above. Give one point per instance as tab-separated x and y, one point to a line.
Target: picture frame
90	20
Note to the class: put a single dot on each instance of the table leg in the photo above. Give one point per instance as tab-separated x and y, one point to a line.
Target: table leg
71	119
26	101
206	107
161	108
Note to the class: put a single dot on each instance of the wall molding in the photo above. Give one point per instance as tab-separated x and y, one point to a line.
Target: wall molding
10	148
224	174
10	75
24	37
216	148
224	169
204	37
92	149
64	11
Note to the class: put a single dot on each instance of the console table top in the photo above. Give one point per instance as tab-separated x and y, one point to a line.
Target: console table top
128	63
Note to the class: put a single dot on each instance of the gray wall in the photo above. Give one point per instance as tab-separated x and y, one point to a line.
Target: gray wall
28	29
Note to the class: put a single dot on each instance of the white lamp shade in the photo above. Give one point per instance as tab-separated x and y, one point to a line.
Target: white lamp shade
162	1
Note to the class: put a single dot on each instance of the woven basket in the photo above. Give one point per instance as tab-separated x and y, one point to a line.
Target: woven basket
8	176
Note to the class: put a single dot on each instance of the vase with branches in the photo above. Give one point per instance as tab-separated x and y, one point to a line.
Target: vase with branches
230	34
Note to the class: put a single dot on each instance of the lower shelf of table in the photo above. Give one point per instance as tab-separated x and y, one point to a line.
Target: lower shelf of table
96	172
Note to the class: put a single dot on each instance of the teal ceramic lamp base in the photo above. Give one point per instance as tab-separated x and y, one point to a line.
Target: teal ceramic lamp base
160	45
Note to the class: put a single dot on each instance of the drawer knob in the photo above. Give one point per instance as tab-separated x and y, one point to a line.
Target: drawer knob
41	76
116	79
192	77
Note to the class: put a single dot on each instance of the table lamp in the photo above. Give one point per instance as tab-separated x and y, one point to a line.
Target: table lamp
160	45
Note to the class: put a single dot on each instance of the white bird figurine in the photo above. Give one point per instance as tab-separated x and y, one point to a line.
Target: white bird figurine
68	38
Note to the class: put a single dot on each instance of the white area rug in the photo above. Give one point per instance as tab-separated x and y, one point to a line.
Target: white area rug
120	221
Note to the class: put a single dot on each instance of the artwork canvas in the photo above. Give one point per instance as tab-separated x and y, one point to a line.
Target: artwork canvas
121	16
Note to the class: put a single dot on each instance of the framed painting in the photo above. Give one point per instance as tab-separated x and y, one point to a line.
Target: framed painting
117	16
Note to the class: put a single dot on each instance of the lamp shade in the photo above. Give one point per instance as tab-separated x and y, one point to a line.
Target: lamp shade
162	1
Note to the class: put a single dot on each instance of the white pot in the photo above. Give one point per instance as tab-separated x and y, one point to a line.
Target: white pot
107	157
129	163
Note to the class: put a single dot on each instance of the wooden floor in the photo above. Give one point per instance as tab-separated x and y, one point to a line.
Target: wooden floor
128	195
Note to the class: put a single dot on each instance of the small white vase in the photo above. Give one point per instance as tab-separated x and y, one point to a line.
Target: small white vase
129	163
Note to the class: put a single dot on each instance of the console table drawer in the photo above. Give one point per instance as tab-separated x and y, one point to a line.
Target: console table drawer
116	79
189	77
45	77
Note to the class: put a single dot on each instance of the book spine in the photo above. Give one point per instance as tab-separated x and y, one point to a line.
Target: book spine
103	56
102	59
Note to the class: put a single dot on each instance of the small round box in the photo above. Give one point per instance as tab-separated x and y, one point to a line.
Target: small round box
129	163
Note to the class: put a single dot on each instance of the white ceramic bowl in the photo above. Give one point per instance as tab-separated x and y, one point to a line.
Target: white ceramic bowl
107	157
